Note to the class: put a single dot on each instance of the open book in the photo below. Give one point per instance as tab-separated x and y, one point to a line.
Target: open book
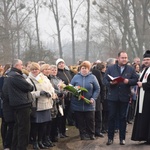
118	79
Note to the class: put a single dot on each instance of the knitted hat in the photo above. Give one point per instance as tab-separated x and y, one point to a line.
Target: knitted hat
147	54
86	64
59	60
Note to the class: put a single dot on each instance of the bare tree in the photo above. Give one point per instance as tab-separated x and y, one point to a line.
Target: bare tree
132	19
36	6
13	16
19	22
140	23
54	7
5	10
72	16
87	30
107	35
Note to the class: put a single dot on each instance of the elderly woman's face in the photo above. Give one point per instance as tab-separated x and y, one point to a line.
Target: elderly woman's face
54	71
46	71
35	72
84	70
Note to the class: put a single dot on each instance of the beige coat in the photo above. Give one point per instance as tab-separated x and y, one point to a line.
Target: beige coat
42	83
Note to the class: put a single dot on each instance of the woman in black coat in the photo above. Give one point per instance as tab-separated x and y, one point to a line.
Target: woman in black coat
7	114
98	112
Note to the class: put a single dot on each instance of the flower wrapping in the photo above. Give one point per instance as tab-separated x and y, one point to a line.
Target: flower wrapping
76	91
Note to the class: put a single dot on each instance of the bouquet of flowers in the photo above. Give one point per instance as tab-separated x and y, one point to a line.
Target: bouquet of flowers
75	90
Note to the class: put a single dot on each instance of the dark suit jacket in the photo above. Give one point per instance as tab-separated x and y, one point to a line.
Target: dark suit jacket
120	91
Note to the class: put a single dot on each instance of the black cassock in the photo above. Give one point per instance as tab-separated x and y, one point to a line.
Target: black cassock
141	127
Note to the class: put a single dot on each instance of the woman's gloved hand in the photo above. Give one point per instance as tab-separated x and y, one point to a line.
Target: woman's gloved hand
48	95
44	93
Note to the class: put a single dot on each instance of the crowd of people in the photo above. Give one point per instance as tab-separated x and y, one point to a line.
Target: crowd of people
35	110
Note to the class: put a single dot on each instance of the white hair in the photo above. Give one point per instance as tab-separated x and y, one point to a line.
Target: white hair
15	62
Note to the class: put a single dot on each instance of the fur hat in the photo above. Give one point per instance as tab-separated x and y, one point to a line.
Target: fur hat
59	60
86	64
147	54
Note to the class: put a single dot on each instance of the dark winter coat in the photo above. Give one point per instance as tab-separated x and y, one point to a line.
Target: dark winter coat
8	113
104	101
98	75
1	85
60	101
18	89
66	77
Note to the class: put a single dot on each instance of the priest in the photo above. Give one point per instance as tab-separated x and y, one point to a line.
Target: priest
141	127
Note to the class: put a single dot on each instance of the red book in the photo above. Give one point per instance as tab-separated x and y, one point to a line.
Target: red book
118	79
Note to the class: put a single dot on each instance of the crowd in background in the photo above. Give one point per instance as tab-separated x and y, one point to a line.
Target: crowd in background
54	108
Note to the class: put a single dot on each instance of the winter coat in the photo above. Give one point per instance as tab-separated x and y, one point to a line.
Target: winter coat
60	93
7	110
66	77
91	84
104	101
98	75
18	89
42	83
1	85
60	100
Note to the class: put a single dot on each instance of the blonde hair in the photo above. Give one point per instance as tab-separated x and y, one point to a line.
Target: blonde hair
24	71
34	65
44	66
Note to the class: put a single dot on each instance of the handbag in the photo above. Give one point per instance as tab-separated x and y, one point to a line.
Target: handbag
34	108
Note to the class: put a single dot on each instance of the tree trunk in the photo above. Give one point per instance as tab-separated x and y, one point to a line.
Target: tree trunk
72	30
36	12
56	16
87	30
7	57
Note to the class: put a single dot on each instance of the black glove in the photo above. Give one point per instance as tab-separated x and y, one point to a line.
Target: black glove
43	93
48	95
59	94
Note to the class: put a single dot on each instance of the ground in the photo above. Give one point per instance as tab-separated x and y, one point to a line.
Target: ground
73	142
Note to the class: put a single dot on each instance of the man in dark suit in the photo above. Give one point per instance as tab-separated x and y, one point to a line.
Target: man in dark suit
118	95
